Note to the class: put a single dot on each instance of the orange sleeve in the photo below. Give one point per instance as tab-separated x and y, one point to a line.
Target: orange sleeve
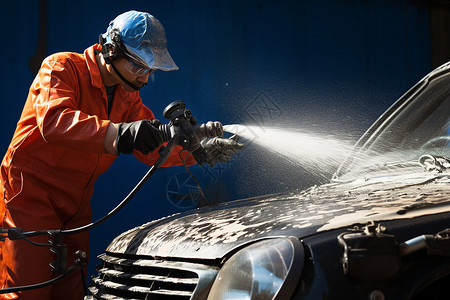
56	93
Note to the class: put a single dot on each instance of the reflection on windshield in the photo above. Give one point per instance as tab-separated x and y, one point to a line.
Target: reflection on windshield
422	126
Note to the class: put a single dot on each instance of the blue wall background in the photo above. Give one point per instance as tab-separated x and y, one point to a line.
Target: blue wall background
331	65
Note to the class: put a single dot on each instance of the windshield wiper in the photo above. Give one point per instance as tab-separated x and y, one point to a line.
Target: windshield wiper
433	162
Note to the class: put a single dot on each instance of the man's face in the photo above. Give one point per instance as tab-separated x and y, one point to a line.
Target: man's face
131	71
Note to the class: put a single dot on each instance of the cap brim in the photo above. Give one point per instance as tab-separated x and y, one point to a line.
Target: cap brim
163	60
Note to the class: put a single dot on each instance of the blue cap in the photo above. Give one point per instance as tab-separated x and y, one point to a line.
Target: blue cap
143	38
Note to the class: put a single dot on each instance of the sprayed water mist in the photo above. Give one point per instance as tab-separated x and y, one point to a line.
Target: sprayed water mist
318	154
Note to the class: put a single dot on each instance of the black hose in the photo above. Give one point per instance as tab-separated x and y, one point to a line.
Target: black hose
164	154
116	209
39	285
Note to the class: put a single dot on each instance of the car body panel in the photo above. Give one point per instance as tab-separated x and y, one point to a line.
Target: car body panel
212	233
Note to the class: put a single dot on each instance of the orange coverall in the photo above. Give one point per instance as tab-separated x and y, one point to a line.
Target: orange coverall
52	163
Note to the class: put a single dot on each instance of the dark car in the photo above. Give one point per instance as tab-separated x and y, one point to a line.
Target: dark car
379	230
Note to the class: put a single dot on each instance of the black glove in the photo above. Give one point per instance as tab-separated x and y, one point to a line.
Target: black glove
143	136
211	129
216	150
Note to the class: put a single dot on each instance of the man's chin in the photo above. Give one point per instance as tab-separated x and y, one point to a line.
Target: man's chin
135	88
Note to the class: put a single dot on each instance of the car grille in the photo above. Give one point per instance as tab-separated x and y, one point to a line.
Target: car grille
143	278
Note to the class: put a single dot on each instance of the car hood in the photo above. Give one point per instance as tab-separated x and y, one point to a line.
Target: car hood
212	232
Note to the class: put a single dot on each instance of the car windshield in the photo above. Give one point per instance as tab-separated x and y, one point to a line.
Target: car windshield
418	124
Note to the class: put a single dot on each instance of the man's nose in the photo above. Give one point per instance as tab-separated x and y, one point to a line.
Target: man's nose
143	78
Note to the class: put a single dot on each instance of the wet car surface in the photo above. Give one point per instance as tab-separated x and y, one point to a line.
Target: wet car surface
378	230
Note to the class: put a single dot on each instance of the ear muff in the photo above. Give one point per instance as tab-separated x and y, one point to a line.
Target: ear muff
106	47
111	50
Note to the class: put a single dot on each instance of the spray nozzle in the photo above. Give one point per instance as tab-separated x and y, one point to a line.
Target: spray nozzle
183	127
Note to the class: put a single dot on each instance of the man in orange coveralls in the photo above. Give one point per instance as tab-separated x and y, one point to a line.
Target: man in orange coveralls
82	111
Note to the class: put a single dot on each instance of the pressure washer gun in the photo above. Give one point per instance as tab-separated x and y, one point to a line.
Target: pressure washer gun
183	130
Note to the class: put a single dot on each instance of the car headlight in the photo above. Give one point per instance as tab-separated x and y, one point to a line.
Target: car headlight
268	269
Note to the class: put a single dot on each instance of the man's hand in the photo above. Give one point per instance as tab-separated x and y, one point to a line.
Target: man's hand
143	136
216	150
212	129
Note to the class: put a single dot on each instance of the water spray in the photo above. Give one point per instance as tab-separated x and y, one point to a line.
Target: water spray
320	155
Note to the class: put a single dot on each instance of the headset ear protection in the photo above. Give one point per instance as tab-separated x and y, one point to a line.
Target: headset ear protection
111	50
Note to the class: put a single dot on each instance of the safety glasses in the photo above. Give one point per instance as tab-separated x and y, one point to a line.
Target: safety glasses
136	68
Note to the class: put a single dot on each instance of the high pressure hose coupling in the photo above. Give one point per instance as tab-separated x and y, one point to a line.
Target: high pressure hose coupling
183	127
